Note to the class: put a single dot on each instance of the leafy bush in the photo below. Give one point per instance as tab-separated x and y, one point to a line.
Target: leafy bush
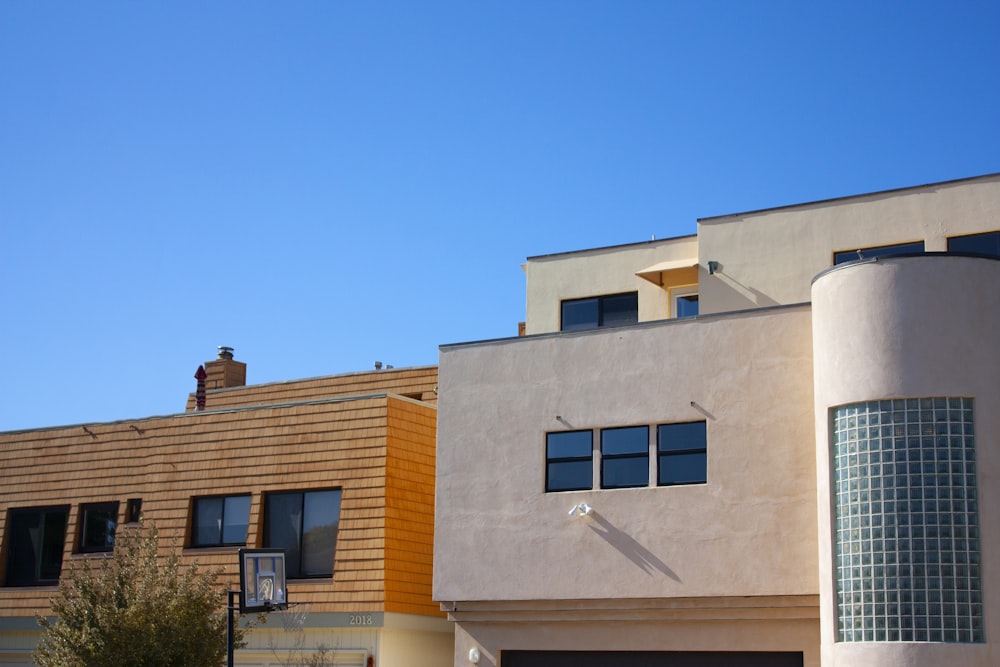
136	609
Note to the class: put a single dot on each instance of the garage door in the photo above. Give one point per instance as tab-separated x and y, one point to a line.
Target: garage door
649	659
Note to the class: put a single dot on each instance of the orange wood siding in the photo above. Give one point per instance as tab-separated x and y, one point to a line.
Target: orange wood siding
409	492
166	461
420	383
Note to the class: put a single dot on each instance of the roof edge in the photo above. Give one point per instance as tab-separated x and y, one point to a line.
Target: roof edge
829	200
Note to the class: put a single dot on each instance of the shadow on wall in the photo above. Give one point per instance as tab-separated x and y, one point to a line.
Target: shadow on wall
752	298
635	552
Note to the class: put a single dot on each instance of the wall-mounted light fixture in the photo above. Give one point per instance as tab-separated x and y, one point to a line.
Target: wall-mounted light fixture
713	266
583	509
474	655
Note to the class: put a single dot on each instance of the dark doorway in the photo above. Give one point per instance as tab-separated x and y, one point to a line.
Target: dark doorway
650	659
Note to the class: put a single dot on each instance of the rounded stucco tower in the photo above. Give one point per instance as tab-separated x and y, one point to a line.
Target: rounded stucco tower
907	399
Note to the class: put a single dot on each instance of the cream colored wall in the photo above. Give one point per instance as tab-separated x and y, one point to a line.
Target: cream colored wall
552	278
911	327
751	530
408	648
17	645
770	257
286	638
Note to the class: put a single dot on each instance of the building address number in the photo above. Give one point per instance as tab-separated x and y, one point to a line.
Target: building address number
361	619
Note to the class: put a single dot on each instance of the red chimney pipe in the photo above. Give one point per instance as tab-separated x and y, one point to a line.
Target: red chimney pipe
199	394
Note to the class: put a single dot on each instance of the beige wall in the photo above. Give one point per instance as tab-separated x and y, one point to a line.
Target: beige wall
552	278
750	530
769	257
911	327
590	632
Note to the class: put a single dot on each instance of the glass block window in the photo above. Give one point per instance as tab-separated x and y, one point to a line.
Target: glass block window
906	532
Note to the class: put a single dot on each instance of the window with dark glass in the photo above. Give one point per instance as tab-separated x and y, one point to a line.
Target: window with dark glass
683	453
569	461
624	457
304	524
612	310
133	510
35	540
877	251
98	522
219	521
686	305
987	243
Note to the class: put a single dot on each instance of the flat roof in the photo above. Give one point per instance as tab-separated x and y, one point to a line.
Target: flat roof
634	244
854	196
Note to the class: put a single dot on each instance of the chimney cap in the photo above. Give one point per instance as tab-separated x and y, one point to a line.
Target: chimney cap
225	352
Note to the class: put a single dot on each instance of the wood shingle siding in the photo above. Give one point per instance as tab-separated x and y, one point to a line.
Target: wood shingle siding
377	447
418	382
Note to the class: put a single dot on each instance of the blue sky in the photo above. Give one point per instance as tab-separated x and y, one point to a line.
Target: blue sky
325	184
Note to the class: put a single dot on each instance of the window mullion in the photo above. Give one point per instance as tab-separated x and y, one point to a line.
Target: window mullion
598	458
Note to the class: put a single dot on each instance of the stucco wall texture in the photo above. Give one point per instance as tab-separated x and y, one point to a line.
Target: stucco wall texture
750	531
906	327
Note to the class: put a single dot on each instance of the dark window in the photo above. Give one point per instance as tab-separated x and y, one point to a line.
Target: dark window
133	511
304	524
683	453
877	251
98	522
35	541
569	457
987	243
612	310
650	659
220	521
624	457
686	305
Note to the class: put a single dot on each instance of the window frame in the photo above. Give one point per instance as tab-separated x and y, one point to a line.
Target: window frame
294	561
195	540
13	549
872	252
992	238
564	460
607	457
601	302
83	546
662	454
679	292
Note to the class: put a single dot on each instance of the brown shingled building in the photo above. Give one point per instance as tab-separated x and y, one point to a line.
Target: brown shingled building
336	470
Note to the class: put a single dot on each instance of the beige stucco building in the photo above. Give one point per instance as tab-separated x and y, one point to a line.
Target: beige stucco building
775	442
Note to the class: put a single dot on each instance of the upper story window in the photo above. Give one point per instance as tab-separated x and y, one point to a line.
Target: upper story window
98	522
35	540
304	524
987	243
624	457
220	521
682	457
686	305
569	457
683	453
877	251
611	310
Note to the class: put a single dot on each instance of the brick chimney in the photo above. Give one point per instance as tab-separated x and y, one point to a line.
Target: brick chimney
224	372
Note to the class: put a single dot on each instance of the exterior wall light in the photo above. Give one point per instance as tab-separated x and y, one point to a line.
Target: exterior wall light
713	266
583	509
474	655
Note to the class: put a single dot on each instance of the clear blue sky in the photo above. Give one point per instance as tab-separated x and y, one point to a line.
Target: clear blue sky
325	184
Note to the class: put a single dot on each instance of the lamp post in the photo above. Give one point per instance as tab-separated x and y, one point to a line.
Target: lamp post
231	625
